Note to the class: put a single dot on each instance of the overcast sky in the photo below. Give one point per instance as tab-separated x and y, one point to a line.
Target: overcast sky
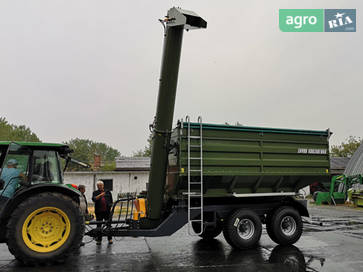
90	69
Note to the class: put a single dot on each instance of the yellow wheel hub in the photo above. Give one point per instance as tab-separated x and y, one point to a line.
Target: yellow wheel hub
46	229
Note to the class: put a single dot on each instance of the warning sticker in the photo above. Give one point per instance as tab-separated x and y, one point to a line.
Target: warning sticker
236	222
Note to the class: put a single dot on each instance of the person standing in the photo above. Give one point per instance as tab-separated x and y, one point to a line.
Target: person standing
83	200
103	203
83	204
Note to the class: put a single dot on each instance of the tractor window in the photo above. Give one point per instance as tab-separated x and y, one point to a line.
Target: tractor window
14	171
2	157
21	159
45	167
19	155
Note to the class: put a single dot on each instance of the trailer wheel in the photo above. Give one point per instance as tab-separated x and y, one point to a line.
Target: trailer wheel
269	226
285	226
209	232
243	229
45	229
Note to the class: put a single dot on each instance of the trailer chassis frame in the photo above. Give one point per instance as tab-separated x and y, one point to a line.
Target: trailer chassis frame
179	217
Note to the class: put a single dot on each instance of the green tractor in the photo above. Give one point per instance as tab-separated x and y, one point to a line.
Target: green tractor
40	218
339	190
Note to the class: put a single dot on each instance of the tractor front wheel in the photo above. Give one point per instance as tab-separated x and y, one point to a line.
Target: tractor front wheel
45	229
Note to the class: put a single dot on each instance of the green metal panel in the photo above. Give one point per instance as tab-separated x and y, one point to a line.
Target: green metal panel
251	159
260	129
229	150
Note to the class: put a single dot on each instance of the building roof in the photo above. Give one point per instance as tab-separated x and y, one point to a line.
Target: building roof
82	173
133	164
338	163
355	165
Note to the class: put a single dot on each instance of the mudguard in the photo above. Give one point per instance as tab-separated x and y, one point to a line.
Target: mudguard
300	205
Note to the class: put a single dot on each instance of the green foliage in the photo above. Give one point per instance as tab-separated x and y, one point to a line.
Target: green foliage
346	149
10	132
146	152
84	151
109	166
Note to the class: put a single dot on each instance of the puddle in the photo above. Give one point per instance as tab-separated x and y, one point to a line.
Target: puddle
318	223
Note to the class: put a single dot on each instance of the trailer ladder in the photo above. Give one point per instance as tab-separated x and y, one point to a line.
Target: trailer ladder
195	186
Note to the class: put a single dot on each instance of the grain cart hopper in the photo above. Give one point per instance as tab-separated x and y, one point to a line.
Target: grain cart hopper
40	219
217	177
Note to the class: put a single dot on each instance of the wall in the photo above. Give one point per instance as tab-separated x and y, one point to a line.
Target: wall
123	182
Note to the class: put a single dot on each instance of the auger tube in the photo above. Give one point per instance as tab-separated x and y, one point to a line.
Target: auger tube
175	22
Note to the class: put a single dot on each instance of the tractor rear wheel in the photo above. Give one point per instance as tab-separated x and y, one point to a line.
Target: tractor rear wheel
45	229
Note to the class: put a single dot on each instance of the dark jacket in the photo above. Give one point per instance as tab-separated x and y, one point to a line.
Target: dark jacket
108	198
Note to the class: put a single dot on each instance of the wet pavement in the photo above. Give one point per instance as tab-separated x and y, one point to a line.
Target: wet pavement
332	242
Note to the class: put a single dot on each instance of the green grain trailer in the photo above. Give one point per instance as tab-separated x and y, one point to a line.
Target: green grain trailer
225	172
220	178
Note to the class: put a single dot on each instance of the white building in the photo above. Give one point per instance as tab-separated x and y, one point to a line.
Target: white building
131	175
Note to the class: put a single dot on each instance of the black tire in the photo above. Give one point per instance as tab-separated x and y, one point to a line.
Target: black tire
243	229
290	256
209	232
269	226
62	224
285	226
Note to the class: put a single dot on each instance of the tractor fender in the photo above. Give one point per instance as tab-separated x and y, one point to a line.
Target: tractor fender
22	194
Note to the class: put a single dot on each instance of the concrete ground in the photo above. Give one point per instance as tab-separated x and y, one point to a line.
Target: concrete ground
337	245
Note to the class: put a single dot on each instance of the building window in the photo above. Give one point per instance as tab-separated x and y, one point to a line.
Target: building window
108	184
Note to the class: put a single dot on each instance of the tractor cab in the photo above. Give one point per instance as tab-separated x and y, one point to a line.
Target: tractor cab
31	164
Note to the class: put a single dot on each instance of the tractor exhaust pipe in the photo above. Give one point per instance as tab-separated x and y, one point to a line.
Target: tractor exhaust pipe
175	22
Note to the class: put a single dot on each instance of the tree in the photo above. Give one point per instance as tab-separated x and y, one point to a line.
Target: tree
11	132
146	152
85	149
346	149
